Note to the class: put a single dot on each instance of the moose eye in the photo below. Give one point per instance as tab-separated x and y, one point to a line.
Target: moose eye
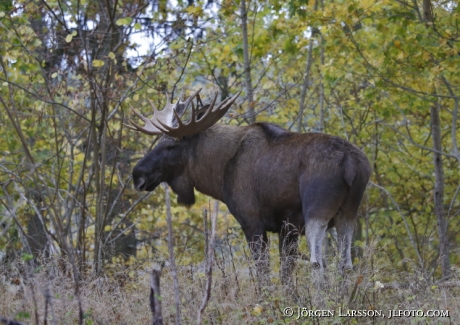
170	147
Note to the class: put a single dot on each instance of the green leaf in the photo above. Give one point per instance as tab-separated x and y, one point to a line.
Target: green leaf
27	257
23	315
124	21
68	38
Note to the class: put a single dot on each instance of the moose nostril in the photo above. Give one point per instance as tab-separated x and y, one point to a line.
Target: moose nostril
140	185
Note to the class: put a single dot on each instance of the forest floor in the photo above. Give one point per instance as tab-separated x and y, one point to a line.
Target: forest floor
46	295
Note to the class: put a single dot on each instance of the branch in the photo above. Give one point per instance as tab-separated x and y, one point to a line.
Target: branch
305	87
131	208
404	219
388	81
183	68
454	119
415	143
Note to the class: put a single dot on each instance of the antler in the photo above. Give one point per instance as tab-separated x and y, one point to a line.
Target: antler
162	121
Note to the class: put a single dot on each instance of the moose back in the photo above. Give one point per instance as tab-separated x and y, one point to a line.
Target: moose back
271	180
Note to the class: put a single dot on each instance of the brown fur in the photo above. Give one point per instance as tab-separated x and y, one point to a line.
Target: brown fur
271	180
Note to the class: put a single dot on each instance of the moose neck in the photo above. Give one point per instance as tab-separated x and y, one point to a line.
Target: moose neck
211	152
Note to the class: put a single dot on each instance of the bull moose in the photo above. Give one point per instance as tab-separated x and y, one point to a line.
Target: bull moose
269	178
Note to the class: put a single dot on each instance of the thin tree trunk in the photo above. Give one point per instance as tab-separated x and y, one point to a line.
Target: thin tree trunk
321	81
247	63
441	219
306	81
209	262
439	192
172	260
155	297
321	90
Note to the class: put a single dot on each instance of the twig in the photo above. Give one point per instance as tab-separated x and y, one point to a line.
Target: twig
209	262
406	224
183	68
378	286
172	260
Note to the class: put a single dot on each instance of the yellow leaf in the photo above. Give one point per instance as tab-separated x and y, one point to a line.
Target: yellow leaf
98	63
112	55
54	75
68	39
426	56
257	310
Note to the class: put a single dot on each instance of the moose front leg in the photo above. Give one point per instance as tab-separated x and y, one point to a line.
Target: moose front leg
258	244
288	248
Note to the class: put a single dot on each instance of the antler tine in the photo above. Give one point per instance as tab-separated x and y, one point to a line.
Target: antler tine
211	106
161	122
227	102
149	127
152	105
210	117
168	128
171	109
190	98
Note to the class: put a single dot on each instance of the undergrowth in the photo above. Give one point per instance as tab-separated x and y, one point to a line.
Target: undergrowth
32	293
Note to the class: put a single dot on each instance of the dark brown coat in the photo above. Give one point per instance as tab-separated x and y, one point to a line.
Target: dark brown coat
271	180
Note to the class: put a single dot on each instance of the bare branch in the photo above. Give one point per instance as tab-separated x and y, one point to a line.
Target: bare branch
406	224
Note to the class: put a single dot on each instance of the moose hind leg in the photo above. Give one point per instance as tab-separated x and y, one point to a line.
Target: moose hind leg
321	199
315	230
345	222
345	227
288	248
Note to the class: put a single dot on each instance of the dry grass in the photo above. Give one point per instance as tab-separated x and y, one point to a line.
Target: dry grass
124	297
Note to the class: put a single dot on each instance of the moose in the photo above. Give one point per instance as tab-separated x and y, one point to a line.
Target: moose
271	180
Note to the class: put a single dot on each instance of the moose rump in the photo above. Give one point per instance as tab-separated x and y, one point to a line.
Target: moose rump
271	180
285	182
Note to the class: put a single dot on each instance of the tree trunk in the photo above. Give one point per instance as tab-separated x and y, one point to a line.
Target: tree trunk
247	63
439	192
441	219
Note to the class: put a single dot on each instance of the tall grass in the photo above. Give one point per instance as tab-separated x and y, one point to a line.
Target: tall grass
27	293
